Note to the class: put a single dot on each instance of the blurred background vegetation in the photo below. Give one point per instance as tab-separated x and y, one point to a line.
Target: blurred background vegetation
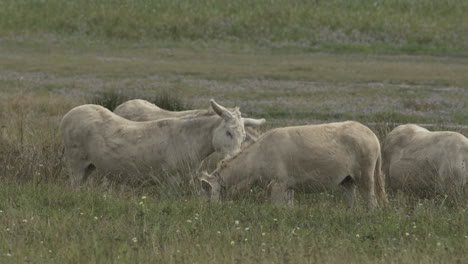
427	26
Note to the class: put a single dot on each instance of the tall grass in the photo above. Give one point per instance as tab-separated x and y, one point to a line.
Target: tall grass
165	100
421	25
42	220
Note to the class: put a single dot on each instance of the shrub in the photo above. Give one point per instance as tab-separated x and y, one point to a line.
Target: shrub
164	100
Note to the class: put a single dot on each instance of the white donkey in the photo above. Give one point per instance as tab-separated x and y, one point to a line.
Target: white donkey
425	163
306	158
142	110
94	137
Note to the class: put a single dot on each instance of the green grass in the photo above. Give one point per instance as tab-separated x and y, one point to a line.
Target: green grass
165	100
423	26
48	223
43	221
182	54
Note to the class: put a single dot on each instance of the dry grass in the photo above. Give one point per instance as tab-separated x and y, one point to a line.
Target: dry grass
43	220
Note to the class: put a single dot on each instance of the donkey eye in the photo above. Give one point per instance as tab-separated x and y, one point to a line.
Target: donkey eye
228	134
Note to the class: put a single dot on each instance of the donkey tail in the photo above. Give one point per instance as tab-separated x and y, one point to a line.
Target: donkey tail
379	183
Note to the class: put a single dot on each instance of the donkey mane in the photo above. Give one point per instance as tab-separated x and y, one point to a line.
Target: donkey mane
225	162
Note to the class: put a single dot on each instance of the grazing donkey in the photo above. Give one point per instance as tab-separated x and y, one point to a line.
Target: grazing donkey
142	110
425	163
94	137
306	158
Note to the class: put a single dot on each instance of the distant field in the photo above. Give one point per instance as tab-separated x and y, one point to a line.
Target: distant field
292	62
422	26
43	221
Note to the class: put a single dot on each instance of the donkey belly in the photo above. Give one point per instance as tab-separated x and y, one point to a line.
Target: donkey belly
318	177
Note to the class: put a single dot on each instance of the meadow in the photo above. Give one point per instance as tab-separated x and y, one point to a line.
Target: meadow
345	63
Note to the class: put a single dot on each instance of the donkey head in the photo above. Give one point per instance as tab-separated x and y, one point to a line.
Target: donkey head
229	135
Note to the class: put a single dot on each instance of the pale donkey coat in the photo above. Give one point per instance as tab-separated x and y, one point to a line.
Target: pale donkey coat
425	163
142	110
94	137
306	158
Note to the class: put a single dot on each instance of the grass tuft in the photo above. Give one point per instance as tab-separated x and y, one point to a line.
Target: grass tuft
165	100
170	102
109	99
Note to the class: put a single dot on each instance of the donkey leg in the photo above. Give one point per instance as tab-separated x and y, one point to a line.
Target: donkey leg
290	198
367	188
76	175
279	195
79	172
349	191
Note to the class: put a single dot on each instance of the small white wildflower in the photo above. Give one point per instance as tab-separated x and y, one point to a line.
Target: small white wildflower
8	254
143	197
104	196
439	244
274	219
41	165
236	222
81	213
414	226
406	234
178	251
50	251
25	221
245	239
232	242
8	229
219	232
357	235
189	221
247	229
263	234
140	203
1	211
134	240
177	231
95	218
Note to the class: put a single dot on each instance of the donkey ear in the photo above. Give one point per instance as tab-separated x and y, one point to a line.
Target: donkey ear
206	183
220	110
206	186
253	121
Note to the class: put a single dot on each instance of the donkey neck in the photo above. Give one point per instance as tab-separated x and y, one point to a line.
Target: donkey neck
200	131
193	113
236	172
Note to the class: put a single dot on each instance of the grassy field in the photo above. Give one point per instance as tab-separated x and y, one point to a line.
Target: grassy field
43	221
259	55
424	26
